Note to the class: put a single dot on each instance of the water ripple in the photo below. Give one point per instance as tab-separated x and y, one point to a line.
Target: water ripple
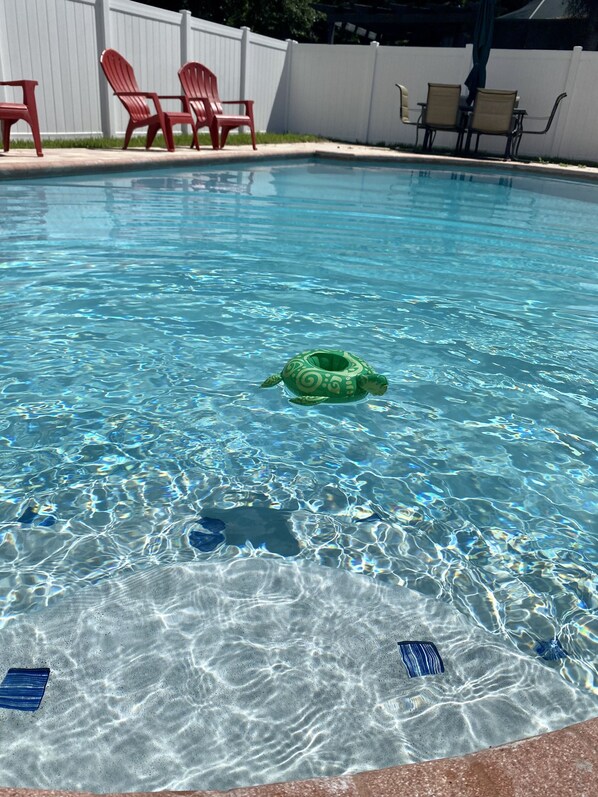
141	312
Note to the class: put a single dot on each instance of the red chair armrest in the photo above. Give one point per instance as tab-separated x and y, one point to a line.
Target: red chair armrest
21	83
150	95
181	97
247	103
28	87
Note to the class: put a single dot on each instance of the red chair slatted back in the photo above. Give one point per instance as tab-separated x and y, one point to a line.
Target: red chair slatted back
121	77
198	81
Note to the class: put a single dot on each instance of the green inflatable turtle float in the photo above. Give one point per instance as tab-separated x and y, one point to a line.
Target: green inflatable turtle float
324	375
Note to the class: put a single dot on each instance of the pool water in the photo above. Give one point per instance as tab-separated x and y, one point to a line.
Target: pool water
141	311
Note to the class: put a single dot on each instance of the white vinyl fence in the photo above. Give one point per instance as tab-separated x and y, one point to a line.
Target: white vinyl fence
344	92
348	92
59	42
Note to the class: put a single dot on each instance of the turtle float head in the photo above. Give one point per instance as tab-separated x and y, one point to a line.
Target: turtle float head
374	383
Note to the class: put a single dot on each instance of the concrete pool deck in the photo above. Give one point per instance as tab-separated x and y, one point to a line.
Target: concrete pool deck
24	163
563	762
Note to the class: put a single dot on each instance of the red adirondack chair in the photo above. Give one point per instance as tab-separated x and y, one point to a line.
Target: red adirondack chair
201	89
121	77
11	112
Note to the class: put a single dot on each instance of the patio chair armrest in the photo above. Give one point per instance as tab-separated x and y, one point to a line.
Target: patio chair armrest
28	87
149	95
247	103
21	83
548	119
181	97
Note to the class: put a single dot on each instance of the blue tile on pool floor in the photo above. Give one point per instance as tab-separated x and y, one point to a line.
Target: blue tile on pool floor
23	689
421	658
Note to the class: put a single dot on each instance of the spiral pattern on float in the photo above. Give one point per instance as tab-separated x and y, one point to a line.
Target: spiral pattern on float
308	380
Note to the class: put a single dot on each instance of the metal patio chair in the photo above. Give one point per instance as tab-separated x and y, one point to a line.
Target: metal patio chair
440	112
404	109
549	120
494	115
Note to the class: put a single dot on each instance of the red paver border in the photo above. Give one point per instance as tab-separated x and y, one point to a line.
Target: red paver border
560	764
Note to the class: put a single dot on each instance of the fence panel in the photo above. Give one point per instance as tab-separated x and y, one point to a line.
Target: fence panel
579	124
330	90
265	82
53	42
219	48
150	39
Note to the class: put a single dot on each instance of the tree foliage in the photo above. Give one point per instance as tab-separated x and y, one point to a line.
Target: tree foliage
584	8
281	19
297	19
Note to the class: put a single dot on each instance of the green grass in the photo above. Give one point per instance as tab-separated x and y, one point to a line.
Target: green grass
180	141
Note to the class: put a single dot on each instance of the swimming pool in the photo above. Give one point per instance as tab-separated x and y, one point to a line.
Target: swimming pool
142	311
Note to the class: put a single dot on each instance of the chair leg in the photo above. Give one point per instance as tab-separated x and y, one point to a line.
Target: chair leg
508	149
152	131
252	127
195	139
468	141
214	134
223	136
6	125
33	121
128	134
167	130
516	144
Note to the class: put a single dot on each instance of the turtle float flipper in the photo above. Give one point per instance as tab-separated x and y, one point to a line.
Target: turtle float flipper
308	400
271	380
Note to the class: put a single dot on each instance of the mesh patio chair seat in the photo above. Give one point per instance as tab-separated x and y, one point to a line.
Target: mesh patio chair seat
493	115
440	112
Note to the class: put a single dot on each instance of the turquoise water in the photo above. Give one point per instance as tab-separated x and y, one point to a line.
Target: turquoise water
140	313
